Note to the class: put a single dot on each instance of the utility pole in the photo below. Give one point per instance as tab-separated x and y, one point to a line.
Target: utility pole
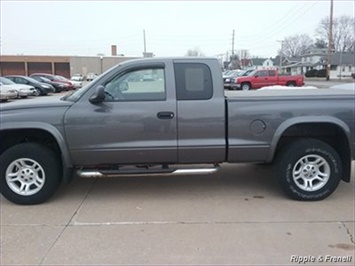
330	41
233	42
281	52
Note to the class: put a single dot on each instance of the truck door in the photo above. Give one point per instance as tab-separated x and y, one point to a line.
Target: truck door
260	79
272	78
135	124
201	112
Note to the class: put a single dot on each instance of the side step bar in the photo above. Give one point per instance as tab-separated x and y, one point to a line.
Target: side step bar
91	173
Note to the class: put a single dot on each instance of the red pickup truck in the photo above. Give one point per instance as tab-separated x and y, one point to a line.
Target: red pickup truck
261	78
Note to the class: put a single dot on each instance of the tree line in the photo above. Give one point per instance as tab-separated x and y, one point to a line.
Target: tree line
342	41
299	44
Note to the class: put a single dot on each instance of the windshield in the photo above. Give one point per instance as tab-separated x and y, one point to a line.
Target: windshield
252	73
245	73
45	79
30	79
6	81
60	77
75	95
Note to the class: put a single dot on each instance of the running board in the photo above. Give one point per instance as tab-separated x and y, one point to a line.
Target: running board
90	173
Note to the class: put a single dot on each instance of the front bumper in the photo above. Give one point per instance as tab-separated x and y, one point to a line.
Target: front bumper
25	92
236	86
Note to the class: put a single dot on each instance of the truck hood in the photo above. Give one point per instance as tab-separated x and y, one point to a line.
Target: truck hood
37	102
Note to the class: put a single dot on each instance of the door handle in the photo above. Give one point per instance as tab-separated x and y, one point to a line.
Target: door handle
165	115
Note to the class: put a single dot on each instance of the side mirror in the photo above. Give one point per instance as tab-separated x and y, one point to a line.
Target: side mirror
98	96
256	76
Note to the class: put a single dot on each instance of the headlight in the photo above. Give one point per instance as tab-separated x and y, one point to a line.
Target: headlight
228	80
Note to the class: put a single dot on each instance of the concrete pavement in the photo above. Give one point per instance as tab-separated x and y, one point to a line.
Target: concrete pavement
238	216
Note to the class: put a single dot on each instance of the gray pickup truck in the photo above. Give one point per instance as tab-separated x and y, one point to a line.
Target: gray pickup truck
171	116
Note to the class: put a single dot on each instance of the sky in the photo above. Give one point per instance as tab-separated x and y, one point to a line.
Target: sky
89	28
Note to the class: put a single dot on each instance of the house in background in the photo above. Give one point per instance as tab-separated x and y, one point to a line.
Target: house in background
292	66
259	63
342	63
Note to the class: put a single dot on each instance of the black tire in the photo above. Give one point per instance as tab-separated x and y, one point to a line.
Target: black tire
308	170
291	84
36	169
38	92
245	86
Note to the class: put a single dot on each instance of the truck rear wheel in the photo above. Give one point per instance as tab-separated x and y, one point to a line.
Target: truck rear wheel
308	170
291	84
30	173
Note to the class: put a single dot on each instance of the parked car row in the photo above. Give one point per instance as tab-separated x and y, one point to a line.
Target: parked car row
9	89
37	84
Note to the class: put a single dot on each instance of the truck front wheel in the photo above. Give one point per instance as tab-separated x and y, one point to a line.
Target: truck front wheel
245	86
30	173
308	170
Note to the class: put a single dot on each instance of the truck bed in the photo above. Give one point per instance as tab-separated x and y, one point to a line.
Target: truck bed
257	119
287	92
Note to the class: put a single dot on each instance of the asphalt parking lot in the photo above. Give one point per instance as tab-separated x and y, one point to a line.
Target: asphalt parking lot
238	216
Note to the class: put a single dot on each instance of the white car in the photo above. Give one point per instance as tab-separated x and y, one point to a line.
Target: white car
22	90
91	76
6	93
76	80
76	84
77	77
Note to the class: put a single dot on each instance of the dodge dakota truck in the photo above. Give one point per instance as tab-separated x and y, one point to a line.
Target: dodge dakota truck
265	77
171	116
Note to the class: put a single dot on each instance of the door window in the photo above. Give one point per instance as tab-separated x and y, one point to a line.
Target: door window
272	73
262	73
138	85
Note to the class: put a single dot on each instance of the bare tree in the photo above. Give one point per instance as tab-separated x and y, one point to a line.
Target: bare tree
343	32
195	52
234	62
243	54
296	45
320	43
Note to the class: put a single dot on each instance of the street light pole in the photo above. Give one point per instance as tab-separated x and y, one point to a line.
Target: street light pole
101	64
330	41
